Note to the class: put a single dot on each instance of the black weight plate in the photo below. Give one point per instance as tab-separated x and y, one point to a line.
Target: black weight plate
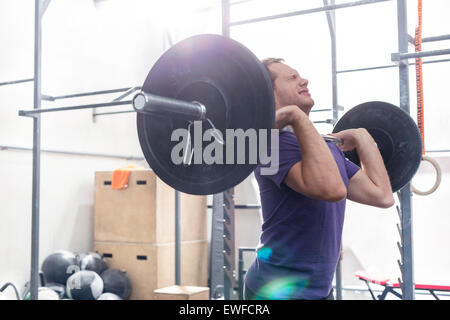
395	133
237	92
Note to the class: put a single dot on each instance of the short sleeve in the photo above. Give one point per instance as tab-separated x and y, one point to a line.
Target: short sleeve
288	155
351	168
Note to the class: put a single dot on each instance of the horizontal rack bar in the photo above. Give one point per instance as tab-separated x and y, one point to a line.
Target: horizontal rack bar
246	249
430	39
92	93
436	38
26	113
239	2
88	154
127	93
403	56
243	206
390	66
307	11
329	121
15	81
96	114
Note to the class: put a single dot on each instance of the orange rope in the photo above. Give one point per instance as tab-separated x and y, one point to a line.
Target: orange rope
419	79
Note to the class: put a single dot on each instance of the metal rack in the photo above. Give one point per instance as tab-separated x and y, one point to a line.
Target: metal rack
35	114
401	60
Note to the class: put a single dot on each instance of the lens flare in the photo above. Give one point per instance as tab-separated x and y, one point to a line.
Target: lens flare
283	288
264	254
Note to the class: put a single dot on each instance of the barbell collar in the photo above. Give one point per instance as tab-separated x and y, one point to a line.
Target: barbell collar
149	103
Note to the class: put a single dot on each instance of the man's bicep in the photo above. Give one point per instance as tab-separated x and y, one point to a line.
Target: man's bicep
362	190
288	156
284	168
294	180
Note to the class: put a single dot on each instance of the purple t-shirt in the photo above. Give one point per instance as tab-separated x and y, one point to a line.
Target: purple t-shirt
301	237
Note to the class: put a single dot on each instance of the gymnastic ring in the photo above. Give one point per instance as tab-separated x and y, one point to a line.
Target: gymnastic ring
438	178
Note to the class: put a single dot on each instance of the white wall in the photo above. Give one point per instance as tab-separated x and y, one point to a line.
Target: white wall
372	234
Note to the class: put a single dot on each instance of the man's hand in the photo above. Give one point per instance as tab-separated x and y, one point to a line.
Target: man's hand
287	115
350	138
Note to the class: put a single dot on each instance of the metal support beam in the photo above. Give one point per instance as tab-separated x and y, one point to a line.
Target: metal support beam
331	19
405	55
240	2
127	93
308	11
43	6
430	39
15	81
39	9
38	111
216	247
405	193
436	38
226	18
222	229
328	121
321	110
390	66
98	114
240	206
74	153
91	93
241	271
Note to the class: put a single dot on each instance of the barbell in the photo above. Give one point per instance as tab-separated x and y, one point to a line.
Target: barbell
203	77
218	83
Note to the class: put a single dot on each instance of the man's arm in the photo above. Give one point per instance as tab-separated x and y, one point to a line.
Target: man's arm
371	184
317	175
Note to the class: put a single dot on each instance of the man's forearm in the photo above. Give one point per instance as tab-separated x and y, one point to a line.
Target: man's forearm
371	160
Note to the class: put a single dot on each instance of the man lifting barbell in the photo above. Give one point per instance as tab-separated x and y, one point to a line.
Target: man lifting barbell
303	204
218	81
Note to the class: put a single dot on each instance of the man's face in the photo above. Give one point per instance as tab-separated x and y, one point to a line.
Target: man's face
290	88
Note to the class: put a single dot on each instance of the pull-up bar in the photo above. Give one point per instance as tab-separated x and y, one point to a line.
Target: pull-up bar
307	11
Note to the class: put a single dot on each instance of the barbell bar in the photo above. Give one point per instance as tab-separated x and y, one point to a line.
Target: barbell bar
150	103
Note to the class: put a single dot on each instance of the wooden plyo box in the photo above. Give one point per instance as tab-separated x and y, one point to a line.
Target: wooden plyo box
152	266
182	293
144	212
